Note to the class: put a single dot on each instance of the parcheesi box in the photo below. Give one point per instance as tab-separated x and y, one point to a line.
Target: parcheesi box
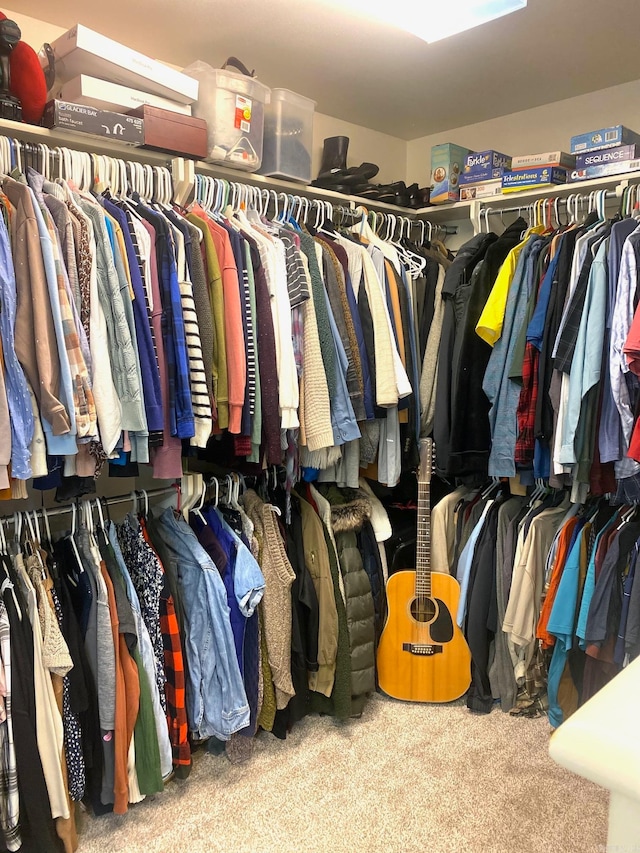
447	163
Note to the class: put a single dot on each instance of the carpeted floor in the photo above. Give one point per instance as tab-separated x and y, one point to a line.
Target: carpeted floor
403	778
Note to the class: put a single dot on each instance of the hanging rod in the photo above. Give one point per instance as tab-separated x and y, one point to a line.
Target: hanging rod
117	499
489	210
54	139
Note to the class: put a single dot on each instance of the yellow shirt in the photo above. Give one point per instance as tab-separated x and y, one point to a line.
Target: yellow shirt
489	326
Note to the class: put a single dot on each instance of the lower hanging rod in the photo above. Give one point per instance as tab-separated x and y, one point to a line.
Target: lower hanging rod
116	499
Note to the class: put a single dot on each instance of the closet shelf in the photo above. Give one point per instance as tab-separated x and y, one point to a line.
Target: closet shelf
125	151
438	214
462	210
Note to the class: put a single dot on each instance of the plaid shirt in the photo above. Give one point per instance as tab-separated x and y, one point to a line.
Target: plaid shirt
174	686
526	412
9	794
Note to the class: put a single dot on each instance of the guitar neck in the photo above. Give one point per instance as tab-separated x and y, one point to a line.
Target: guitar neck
423	550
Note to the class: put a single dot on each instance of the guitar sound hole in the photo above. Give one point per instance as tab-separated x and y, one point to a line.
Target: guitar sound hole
423	609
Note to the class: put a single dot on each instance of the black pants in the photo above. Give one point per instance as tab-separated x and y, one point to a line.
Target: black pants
482	613
37	830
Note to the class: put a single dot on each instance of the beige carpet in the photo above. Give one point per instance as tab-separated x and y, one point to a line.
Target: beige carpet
403	778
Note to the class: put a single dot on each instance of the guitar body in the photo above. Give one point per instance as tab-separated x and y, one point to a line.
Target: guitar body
423	655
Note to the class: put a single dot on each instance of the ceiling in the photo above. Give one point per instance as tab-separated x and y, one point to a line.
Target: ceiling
364	72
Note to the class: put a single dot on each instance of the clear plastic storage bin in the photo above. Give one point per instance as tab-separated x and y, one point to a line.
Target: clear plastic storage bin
233	106
288	136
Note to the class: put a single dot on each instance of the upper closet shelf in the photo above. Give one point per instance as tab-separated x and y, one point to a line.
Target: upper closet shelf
438	214
115	148
462	210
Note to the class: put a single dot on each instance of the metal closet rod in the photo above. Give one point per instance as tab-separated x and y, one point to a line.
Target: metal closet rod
117	499
356	213
561	198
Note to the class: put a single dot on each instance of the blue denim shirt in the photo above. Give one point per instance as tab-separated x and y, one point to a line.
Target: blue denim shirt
16	385
343	418
503	392
216	699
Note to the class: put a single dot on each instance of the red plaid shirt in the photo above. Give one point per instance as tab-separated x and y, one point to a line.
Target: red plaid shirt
526	412
174	673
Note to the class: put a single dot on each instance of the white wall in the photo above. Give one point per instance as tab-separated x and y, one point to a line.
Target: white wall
388	152
546	128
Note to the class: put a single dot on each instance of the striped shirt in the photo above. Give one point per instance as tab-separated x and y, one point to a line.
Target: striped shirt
200	400
9	794
296	278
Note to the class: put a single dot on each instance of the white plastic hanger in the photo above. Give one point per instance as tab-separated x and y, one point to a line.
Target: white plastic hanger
72	538
101	516
45	518
198	509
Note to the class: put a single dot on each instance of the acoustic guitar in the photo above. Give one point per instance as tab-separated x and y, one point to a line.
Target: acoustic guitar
423	655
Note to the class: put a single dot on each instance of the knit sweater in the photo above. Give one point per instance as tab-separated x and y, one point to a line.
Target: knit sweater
279	575
327	345
315	410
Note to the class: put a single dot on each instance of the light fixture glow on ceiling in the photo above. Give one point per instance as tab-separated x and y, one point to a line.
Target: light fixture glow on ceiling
432	20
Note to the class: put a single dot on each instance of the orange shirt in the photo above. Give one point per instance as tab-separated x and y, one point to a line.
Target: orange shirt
127	701
564	541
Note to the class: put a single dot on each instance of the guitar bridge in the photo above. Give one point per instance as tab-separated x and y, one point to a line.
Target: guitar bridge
424	649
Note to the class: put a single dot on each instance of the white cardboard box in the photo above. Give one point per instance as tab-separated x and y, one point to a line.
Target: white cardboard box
486	190
111	96
83	51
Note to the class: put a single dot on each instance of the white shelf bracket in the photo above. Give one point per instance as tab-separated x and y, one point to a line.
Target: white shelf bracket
474	214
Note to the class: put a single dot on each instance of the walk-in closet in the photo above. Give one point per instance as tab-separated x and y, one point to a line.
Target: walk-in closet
319	426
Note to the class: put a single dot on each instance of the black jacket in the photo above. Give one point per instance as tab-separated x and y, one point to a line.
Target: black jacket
470	436
458	274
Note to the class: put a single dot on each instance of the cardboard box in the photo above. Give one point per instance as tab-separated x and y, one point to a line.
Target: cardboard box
481	176
80	118
528	179
487	159
167	131
547	158
104	95
618	167
83	51
447	163
606	137
607	155
478	191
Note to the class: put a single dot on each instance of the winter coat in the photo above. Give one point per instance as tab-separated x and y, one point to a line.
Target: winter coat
349	511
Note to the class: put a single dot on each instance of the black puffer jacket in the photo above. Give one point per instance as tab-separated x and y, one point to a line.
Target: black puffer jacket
349	511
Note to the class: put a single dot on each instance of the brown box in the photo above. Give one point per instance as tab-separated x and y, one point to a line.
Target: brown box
169	131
